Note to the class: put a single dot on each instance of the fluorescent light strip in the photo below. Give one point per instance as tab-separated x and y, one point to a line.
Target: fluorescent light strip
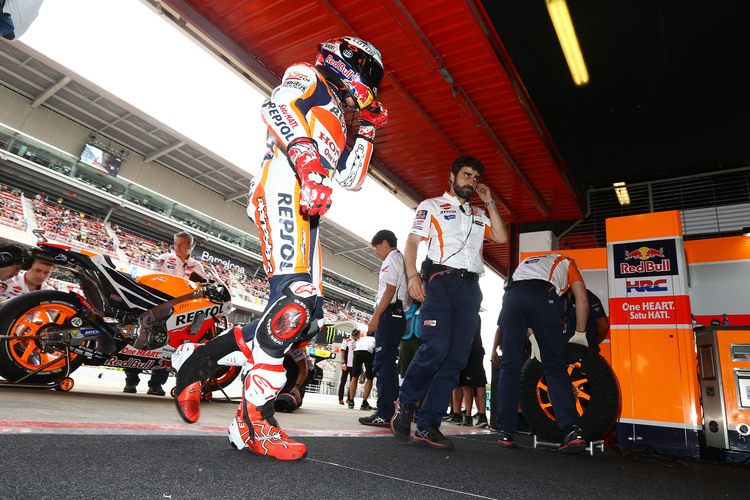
558	12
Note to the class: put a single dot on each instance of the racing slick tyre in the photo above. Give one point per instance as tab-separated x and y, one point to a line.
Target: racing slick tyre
30	315
595	386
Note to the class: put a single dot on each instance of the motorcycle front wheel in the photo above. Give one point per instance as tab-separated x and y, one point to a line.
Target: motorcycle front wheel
23	320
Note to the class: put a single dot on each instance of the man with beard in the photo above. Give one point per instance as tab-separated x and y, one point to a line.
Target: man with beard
449	291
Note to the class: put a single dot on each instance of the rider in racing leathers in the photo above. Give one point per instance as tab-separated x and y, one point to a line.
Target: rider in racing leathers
307	146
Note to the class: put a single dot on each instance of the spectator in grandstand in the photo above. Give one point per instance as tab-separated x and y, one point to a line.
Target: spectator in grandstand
17	16
35	278
304	154
12	258
177	263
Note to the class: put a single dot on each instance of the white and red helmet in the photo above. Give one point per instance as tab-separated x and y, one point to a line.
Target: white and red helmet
354	66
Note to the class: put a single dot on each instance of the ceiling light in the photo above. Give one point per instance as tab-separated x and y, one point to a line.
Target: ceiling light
622	193
558	12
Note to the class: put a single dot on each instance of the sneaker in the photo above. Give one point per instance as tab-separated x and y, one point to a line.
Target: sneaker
155	390
468	421
194	368
130	387
447	416
482	421
350	404
401	421
255	427
456	418
365	406
573	442
431	436
341	401
505	440
375	421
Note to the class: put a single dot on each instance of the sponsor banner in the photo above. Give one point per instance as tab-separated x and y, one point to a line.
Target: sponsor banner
645	259
670	310
228	263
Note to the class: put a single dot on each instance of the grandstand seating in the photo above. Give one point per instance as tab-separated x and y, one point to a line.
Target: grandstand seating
11	208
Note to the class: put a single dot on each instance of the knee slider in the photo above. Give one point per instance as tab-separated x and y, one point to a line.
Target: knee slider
287	319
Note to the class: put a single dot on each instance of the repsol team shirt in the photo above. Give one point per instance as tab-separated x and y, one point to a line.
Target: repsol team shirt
456	232
17	286
170	263
392	272
558	269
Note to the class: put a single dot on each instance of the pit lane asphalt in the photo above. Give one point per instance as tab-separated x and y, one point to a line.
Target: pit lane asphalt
95	442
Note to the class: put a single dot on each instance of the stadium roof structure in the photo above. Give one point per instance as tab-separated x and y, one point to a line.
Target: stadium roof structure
667	95
46	83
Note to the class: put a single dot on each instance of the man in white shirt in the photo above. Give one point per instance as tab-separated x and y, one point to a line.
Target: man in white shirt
35	278
388	324
364	353
17	16
178	262
450	296
347	361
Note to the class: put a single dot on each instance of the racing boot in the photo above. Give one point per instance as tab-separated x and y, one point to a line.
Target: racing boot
196	364
254	425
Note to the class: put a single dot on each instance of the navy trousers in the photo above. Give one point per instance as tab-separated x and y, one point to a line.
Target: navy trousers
387	337
534	304
450	314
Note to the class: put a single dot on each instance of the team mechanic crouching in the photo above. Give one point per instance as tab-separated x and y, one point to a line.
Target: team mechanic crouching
534	300
306	147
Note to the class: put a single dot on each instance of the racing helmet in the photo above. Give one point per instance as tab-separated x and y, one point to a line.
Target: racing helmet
354	66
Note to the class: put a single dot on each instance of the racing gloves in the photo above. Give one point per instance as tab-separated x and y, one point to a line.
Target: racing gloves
372	118
315	185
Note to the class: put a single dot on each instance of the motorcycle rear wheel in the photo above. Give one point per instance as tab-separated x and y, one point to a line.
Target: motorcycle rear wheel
224	376
27	316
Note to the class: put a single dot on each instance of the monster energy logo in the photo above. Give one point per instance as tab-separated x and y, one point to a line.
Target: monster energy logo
330	334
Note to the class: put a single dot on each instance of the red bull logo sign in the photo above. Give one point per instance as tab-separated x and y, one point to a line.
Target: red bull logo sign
645	259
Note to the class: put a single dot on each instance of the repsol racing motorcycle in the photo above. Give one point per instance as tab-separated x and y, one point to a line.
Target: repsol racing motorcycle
114	321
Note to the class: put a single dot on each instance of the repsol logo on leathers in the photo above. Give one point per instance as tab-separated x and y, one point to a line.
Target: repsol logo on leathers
286	231
283	128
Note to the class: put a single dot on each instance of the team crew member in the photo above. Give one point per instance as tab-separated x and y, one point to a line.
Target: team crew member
455	232
597	326
307	147
534	300
364	355
299	372
12	259
347	361
17	16
178	262
28	281
388	324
